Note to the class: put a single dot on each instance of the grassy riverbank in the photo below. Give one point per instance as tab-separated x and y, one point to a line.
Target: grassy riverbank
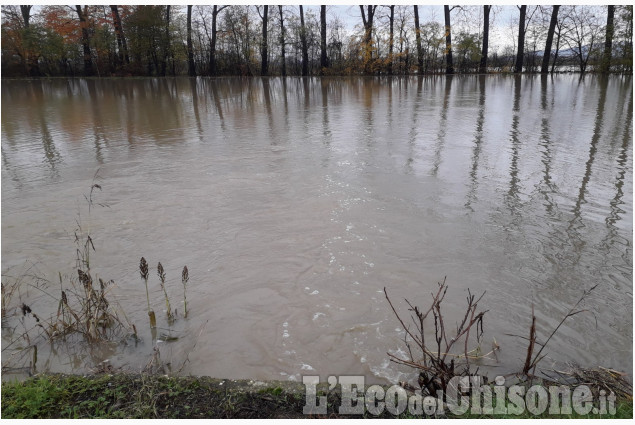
152	396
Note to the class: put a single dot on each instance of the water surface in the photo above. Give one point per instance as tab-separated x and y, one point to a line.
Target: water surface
295	202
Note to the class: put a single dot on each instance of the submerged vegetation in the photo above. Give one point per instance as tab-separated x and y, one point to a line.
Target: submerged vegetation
86	314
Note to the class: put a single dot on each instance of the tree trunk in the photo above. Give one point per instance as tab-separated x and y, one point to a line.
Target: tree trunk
264	66
212	48
83	23
121	41
166	43
521	40
555	56
26	14
608	42
29	61
191	70
305	50
418	37
368	36
546	55
391	44
282	45
323	58
483	65
449	67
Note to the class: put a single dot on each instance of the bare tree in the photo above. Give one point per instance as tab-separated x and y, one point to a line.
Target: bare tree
547	52
608	41
584	33
560	32
521	40
449	67
191	69
483	64
323	58
29	59
305	48
83	23
264	54
282	43
391	42
25	10
367	20
121	40
212	45
418	38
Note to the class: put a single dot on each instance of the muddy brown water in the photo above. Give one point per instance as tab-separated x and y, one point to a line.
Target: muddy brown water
294	202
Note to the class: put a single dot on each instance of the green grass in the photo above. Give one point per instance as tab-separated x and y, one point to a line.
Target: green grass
143	396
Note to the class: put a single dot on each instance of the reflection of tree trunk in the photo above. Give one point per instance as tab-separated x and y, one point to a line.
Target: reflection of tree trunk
546	55
514	188
305	49
608	42
597	134
546	144
418	38
191	71
307	100
197	117
325	113
622	165
449	67
483	65
267	96
217	103
83	23
520	56
51	153
98	126
478	140
285	98
442	125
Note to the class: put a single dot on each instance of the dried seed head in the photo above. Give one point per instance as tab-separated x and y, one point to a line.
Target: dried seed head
85	278
64	298
143	268
160	272
185	275
25	309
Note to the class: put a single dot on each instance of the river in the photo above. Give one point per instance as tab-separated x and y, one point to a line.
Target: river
295	201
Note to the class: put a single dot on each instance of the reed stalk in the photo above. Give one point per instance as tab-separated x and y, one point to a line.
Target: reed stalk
161	274
184	279
143	269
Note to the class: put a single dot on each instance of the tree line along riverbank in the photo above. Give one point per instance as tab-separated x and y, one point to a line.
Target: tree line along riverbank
249	40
